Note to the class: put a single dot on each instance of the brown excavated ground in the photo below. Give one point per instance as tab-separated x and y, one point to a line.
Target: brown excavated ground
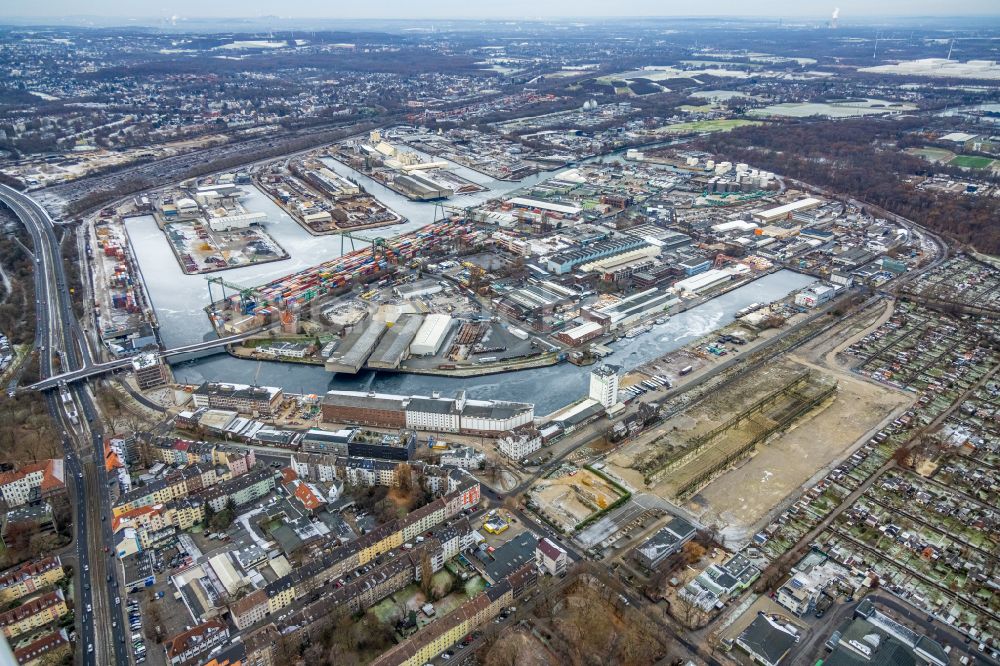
744	499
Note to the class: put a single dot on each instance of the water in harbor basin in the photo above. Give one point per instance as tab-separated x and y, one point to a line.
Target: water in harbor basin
549	388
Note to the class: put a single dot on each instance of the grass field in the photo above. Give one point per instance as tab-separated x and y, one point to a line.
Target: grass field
971	162
723	125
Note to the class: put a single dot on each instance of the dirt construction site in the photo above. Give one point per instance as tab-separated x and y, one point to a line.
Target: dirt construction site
738	454
571	495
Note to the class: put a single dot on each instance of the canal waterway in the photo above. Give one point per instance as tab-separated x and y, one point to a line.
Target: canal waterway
179	301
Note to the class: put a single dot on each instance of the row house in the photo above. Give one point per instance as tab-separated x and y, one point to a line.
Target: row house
336	561
241	490
438	636
187	646
34	613
29	578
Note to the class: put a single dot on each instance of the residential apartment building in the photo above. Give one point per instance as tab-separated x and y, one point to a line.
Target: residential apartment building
249	610
241	490
441	634
31	483
47	649
465	457
519	444
188	645
30	577
550	557
33	614
262	400
399	536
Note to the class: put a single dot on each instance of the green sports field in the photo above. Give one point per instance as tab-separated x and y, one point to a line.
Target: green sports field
971	162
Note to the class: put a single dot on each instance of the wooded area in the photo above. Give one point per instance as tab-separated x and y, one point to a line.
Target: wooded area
864	158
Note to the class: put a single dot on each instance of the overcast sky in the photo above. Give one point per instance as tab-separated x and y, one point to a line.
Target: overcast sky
410	9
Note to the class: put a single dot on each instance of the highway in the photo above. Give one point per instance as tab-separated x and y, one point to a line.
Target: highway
59	337
92	369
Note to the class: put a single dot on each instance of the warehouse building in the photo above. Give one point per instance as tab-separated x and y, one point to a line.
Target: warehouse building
579	334
375	409
417	289
564	262
633	308
395	344
664	543
785	212
434	413
359	344
240	221
431	335
703	281
547	206
420	188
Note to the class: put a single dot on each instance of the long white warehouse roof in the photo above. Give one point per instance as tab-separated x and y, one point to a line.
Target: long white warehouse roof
524	202
771	213
431	334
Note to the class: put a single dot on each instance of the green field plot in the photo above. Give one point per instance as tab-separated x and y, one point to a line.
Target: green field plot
971	162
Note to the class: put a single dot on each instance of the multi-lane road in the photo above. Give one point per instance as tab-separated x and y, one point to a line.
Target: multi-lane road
59	338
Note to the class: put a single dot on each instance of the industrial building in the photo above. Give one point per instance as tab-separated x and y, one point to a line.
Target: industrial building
564	262
395	344
604	384
350	357
784	212
534	300
632	308
239	221
577	335
703	281
664	543
426	287
421	188
547	206
872	635
434	413
815	295
431	335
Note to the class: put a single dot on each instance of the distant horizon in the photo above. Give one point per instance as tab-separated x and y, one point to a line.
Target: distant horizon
513	10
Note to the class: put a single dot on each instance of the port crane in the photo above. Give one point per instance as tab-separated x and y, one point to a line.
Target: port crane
376	243
441	211
246	295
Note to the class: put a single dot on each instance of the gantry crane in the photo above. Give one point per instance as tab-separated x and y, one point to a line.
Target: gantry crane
246	295
376	243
